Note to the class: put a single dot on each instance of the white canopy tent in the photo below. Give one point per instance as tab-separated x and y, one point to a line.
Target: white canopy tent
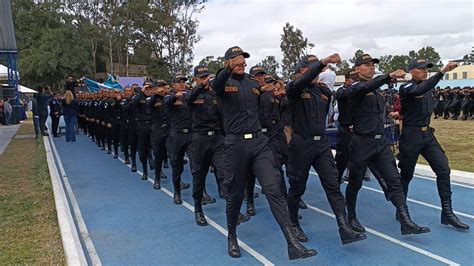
4	73
23	89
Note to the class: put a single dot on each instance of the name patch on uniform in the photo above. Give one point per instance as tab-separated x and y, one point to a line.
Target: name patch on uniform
231	89
178	102
370	94
306	95
256	91
199	101
158	103
324	97
420	96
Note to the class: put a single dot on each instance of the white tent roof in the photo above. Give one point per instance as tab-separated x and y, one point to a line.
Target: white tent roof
4	72
23	89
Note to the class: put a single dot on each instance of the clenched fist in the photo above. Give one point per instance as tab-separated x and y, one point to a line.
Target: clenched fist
332	59
399	73
450	66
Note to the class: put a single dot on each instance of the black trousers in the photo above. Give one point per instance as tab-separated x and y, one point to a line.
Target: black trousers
365	150
414	142
54	124
244	158
144	133
42	121
108	135
304	153
178	144
344	137
159	134
124	136
133	140
116	135
206	151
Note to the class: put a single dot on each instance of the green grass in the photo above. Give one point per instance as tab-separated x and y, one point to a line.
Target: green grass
28	223
455	137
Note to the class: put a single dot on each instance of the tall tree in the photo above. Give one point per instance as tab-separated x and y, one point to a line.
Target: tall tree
343	68
212	63
270	65
294	46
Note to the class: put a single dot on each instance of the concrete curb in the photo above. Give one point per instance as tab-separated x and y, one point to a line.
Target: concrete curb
69	236
456	175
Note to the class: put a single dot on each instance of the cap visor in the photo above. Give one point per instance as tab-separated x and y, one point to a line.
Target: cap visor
246	55
375	60
202	75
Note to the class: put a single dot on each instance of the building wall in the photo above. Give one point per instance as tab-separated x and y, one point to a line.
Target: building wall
461	72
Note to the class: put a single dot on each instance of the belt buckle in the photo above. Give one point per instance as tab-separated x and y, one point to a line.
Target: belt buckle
248	136
210	133
423	129
264	130
317	138
185	130
378	137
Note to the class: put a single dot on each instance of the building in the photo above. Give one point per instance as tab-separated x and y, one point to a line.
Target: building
461	72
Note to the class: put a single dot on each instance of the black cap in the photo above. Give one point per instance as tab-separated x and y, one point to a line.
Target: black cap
364	59
269	79
160	83
179	77
201	71
235	51
257	70
419	63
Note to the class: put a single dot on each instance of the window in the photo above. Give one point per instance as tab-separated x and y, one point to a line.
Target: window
446	76
455	75
464	75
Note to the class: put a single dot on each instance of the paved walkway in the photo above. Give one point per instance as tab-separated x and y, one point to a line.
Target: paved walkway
6	135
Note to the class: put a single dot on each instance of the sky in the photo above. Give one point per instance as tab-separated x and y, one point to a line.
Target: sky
377	27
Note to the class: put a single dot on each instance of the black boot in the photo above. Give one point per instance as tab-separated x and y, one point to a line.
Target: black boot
407	225
163	176
184	185
127	161
251	208
233	246
134	168
295	249
302	205
165	164
243	218
206	199
346	233
145	176
157	183
300	234
115	156
177	199
355	224
449	218
200	219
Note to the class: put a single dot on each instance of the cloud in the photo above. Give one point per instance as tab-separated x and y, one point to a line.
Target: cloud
378	27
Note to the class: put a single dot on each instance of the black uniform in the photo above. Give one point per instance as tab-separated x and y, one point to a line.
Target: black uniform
116	116
344	137
207	141
246	154
179	139
466	101
369	144
125	128
438	106
159	133
131	109
455	107
309	146
448	100
418	138
55	112
143	119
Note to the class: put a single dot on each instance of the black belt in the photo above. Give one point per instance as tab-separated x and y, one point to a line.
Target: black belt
312	137
246	136
371	136
417	128
182	130
208	133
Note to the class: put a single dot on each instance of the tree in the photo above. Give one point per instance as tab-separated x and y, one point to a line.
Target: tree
430	54
357	54
343	68
389	63
294	46
212	64
270	65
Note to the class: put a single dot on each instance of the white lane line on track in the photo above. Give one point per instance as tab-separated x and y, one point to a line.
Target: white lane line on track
389	238
470	216
77	211
211	222
452	183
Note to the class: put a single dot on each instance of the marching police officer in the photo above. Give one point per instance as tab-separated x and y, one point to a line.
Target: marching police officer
55	112
124	122
418	137
246	151
207	139
309	145
159	129
369	143
179	139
